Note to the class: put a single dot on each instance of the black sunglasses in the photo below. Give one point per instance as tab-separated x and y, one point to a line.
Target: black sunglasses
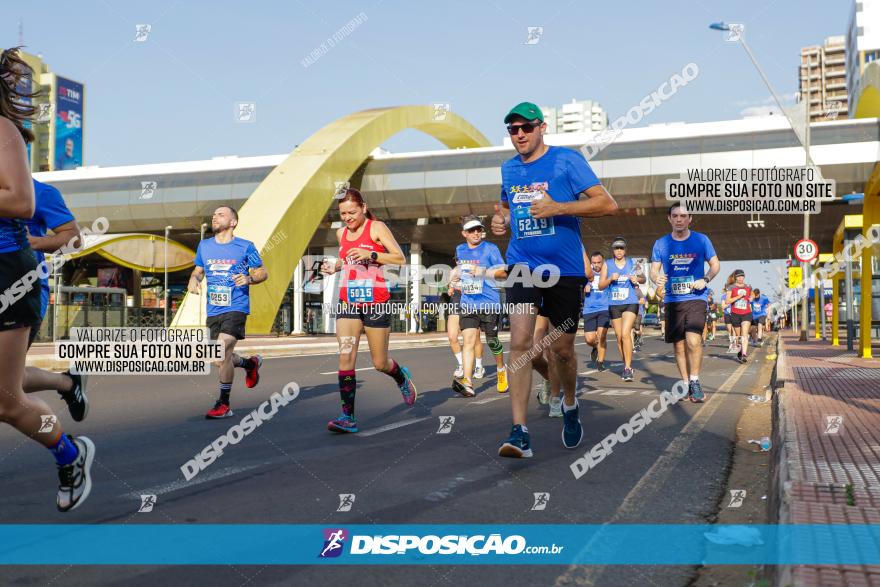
527	128
475	229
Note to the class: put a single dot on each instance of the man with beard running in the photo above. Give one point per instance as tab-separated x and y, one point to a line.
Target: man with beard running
682	256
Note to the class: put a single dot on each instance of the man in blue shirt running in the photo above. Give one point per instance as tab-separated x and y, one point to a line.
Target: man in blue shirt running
544	192
759	312
682	256
479	264
52	213
229	265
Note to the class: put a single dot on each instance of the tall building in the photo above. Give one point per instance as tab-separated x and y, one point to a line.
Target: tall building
577	116
862	44
59	122
826	67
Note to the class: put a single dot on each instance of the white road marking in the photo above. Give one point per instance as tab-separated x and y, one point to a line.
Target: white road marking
202	477
489	399
393	426
654	477
335	372
589	372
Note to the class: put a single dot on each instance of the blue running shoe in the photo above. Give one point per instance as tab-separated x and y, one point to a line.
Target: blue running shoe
343	423
572	431
697	395
517	446
408	388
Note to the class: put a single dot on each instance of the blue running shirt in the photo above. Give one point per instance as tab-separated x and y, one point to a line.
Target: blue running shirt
221	262
563	174
621	292
50	212
683	263
479	292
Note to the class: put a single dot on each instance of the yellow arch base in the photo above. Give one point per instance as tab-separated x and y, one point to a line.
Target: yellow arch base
291	202
143	252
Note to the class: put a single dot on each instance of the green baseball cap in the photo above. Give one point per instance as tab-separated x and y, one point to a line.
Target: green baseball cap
527	110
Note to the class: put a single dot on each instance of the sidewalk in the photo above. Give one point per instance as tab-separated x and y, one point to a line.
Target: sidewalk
827	470
43	354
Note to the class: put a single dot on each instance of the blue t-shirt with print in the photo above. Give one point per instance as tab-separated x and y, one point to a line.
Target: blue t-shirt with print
596	300
479	293
683	263
759	306
50	211
221	262
621	291
563	174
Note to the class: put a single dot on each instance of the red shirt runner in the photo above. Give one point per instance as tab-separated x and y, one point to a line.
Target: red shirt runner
741	306
362	281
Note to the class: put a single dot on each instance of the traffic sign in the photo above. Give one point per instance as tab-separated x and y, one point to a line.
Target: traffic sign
795	276
806	250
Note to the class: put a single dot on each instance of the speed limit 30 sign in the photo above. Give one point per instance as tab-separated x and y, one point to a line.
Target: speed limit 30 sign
806	250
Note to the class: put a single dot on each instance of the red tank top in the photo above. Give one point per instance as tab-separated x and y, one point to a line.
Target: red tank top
362	281
741	306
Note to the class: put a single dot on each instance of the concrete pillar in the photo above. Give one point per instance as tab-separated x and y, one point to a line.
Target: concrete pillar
415	287
298	298
835	310
331	293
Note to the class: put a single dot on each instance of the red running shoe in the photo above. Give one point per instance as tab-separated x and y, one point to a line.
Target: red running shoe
220	410
252	373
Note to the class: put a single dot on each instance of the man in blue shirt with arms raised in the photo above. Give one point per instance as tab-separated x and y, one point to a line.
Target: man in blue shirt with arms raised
229	265
682	256
544	192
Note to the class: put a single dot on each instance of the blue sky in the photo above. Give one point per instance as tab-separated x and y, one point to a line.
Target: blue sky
172	97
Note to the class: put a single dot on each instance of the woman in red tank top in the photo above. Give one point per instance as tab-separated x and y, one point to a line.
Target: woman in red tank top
739	296
365	244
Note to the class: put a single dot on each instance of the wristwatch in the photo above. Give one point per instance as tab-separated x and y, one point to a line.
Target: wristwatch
250	280
374	255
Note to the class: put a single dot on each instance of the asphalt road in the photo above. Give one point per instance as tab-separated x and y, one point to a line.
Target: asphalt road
291	470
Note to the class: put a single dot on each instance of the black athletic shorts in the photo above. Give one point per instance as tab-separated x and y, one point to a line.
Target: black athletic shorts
25	309
490	324
231	323
561	303
684	317
736	320
596	320
372	316
617	311
762	320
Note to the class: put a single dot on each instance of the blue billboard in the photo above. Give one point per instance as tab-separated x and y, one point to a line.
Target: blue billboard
24	90
68	124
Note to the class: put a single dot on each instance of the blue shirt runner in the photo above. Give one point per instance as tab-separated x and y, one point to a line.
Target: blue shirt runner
563	174
221	262
684	262
479	293
622	291
50	211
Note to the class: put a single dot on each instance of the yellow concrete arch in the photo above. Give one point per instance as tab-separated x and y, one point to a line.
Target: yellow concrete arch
284	211
143	252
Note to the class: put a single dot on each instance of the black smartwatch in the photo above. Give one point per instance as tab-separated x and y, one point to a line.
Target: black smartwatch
374	256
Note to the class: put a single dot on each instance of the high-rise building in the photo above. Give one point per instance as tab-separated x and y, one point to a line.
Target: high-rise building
862	44
577	116
59	121
826	67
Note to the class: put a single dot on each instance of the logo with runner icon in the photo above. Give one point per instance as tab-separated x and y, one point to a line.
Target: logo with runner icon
334	542
346	500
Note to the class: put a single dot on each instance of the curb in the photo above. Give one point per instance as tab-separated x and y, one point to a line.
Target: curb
784	444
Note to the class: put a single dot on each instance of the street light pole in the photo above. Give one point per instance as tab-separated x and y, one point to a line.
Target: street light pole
805	143
167	232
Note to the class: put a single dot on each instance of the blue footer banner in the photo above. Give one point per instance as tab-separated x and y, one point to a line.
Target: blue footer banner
272	544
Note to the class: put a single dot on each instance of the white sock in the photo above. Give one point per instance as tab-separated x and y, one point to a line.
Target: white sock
458	358
695	377
479	362
567	408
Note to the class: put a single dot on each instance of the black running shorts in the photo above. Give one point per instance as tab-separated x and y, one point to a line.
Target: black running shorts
736	320
617	311
684	317
24	294
372	316
561	303
231	323
490	324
